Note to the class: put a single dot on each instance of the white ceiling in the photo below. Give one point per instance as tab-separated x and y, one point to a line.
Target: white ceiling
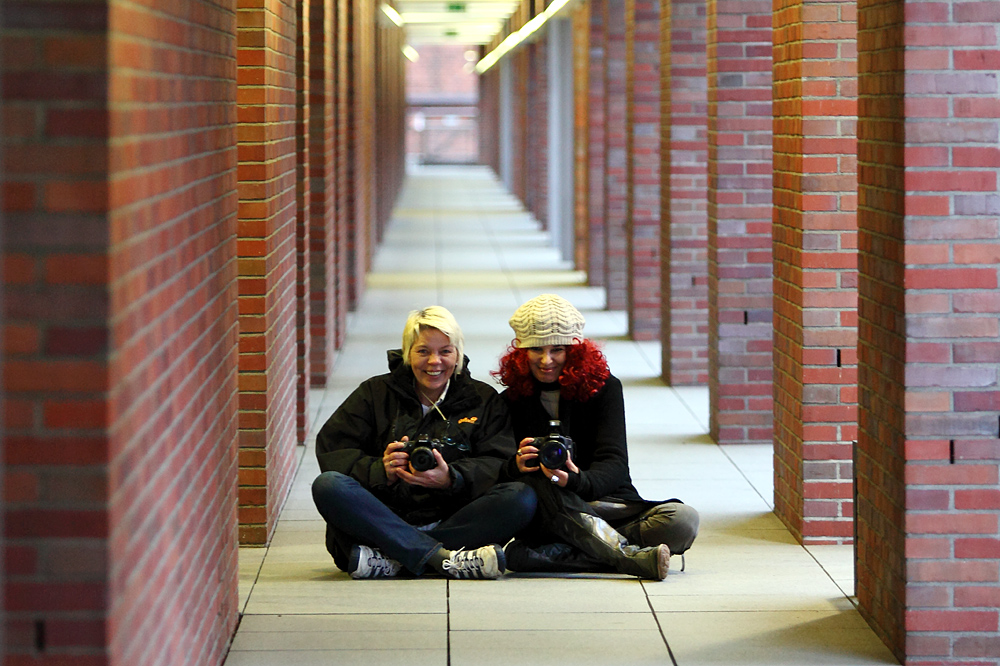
468	22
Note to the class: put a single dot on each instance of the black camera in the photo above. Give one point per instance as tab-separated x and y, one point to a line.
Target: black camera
421	451
555	449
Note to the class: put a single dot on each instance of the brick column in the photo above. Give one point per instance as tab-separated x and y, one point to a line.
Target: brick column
596	122
361	227
489	113
303	249
615	155
581	136
928	493
739	220
266	248
644	183
343	171
815	267
536	167
684	243
323	219
120	347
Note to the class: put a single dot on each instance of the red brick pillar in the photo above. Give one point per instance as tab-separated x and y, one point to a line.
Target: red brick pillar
120	332
323	219
303	195
519	108
537	129
581	136
644	183
596	122
815	267
739	220
266	248
684	242
489	112
616	147
343	173
361	226
928	493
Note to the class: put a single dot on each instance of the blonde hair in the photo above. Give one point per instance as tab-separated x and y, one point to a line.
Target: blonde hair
437	317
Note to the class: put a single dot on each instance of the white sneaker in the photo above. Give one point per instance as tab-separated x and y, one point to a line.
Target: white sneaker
487	562
369	562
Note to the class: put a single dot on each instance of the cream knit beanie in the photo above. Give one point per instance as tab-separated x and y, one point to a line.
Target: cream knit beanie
547	320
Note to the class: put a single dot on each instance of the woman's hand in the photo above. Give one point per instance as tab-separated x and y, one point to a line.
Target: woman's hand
561	477
436	477
526	456
395	460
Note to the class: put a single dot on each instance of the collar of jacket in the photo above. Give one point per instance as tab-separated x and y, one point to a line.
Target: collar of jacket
401	381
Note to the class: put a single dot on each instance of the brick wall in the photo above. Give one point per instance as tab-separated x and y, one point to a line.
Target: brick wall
684	248
390	101
930	330
343	166
581	136
596	121
303	247
266	250
323	219
489	115
880	507
361	230
739	220
815	268
537	129
615	154
120	333
645	181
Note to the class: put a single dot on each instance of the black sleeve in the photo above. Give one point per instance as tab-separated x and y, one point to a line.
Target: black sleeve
347	441
492	445
608	467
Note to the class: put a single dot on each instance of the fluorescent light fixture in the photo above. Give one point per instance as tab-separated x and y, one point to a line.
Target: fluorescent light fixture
410	53
392	14
514	39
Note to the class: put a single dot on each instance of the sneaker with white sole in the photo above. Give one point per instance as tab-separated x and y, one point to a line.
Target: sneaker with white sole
487	562
367	562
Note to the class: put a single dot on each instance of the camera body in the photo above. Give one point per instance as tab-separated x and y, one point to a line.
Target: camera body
421	451
554	449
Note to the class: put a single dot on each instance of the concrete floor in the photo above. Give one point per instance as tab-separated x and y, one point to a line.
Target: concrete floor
749	595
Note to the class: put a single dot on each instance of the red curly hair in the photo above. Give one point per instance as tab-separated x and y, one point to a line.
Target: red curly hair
584	374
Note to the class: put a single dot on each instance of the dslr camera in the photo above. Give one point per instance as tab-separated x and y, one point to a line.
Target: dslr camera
421	451
555	449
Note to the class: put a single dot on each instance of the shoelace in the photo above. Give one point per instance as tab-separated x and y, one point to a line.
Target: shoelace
462	562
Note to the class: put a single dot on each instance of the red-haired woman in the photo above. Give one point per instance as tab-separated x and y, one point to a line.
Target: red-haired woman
590	517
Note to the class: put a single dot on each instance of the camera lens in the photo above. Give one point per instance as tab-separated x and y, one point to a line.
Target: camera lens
552	454
422	459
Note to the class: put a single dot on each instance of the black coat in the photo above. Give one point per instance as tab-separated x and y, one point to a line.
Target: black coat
597	427
385	408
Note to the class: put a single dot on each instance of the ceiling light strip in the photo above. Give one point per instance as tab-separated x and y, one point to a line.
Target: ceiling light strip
392	14
516	38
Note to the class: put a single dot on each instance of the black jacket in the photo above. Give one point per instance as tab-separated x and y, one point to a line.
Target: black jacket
597	427
385	408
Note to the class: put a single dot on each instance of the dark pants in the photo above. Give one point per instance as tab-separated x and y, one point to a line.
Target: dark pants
354	516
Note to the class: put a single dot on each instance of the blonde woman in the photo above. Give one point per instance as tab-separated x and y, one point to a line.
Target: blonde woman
410	463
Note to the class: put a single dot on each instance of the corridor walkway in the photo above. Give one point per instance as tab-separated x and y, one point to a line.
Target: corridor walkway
749	594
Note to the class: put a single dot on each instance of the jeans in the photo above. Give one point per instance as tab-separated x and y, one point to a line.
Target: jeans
354	516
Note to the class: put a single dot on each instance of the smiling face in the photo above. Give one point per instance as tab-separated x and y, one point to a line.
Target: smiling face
547	362
433	359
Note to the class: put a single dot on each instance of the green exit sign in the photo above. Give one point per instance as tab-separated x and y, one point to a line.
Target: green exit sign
456	6
451	32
